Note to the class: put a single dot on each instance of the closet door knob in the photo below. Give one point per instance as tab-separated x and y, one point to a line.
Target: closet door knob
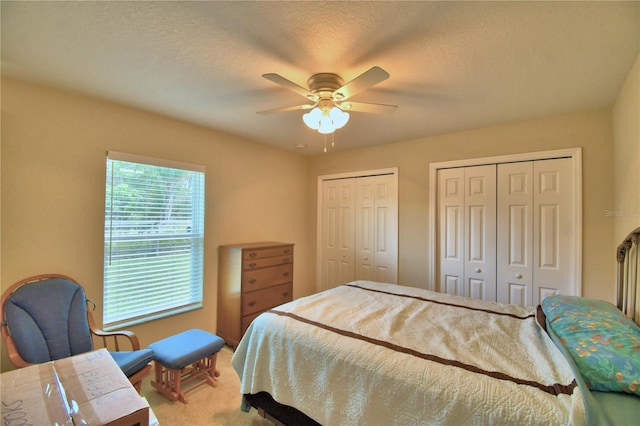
478	270
519	276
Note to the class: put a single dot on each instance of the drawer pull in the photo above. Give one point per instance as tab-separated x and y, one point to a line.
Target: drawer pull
286	251
285	274
253	265
253	254
285	294
252	281
252	303
286	260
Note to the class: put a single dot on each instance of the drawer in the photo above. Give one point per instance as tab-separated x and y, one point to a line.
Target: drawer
247	319
267	298
263	262
248	254
266	277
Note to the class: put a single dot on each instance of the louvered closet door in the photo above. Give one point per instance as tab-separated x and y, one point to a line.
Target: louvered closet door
376	229
338	241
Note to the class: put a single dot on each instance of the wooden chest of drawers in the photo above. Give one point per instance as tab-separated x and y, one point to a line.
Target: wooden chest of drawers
252	278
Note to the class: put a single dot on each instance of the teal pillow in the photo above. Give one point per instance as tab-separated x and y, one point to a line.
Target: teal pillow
604	343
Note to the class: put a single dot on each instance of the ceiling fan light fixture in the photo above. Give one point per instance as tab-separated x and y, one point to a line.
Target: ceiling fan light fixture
328	93
326	125
339	117
312	118
325	120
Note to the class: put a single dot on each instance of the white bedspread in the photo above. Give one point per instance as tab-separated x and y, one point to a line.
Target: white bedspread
380	354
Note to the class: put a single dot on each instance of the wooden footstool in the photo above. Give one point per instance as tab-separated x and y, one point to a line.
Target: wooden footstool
187	357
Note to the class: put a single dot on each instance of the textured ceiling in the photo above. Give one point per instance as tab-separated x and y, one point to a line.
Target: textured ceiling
453	65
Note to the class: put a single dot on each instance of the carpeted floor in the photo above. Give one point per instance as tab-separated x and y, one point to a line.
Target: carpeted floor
207	405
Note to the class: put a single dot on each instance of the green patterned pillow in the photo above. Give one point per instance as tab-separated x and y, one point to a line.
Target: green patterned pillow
603	342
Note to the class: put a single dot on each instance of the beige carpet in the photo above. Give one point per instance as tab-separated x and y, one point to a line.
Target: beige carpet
207	405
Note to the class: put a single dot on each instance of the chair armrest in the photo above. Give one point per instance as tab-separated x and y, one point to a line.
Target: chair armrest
111	339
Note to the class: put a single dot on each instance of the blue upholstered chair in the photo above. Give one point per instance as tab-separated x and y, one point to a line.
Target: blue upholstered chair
45	318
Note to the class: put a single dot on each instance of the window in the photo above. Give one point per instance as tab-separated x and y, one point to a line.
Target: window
153	239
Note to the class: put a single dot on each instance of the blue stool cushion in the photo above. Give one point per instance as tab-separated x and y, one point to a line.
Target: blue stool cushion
178	351
131	362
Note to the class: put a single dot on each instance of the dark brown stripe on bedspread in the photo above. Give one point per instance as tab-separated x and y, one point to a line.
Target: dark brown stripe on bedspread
555	389
489	311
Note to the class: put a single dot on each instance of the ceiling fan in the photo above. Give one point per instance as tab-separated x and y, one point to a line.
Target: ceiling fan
329	96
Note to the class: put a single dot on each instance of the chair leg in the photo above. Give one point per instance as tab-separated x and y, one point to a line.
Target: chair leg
136	379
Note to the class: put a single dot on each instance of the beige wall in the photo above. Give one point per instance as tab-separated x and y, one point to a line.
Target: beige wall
591	131
53	186
626	156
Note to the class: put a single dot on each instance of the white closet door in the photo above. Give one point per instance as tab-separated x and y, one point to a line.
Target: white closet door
451	230
376	229
480	232
338	249
554	227
467	231
515	233
507	231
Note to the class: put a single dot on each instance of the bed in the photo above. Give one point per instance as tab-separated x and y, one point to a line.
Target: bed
374	353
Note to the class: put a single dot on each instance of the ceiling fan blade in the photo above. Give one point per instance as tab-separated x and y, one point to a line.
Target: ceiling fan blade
281	81
367	107
285	109
365	80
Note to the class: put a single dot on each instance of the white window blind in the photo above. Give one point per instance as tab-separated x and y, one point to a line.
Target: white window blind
153	239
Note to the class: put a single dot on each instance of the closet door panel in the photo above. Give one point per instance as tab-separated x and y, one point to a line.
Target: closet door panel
365	205
554	228
330	234
377	229
338	232
525	230
518	294
480	232
451	230
548	236
359	230
515	233
365	229
386	248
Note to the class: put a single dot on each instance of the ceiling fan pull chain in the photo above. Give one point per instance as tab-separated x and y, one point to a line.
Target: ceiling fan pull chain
325	144
333	140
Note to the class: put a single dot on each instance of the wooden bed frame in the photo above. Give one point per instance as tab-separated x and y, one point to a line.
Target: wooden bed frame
628	301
